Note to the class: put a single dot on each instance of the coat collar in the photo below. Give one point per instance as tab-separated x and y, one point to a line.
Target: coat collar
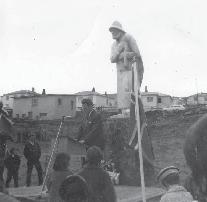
176	188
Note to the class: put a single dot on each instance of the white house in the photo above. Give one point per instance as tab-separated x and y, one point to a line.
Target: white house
200	98
8	99
154	100
99	100
44	107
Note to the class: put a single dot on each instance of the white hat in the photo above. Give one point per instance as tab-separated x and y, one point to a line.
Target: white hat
116	25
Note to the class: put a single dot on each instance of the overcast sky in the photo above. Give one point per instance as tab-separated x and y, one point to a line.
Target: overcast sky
64	45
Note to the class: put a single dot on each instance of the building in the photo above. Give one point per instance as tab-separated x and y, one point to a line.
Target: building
200	98
8	99
99	100
44	107
154	100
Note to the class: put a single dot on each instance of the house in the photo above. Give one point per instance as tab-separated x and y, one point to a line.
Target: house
199	98
154	100
99	100
178	101
8	99
44	107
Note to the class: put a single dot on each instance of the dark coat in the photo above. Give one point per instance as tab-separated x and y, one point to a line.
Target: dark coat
195	149
92	131
32	152
54	181
12	162
100	185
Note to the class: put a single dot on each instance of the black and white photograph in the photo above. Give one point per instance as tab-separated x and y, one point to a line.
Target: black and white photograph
103	101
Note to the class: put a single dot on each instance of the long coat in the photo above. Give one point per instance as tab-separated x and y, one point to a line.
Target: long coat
177	193
100	185
92	131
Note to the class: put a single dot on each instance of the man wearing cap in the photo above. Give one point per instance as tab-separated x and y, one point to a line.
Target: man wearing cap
169	178
91	132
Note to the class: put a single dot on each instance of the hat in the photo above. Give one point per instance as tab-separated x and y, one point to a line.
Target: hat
94	155
74	187
87	101
116	25
166	172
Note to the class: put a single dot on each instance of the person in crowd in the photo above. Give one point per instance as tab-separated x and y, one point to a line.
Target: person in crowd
12	163
3	151
195	151
169	178
32	153
91	132
58	175
100	186
74	189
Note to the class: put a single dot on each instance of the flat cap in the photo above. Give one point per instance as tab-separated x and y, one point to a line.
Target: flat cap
166	172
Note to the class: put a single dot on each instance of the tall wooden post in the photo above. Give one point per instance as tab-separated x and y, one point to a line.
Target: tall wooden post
136	91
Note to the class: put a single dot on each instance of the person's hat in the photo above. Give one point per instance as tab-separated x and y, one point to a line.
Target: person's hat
74	187
116	25
87	101
166	172
94	155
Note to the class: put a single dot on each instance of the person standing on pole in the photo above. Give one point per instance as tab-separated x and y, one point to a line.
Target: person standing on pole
91	132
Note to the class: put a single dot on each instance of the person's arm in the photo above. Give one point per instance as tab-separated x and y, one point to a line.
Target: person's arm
80	133
39	151
116	50
26	152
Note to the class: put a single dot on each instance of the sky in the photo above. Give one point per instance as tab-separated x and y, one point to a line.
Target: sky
64	46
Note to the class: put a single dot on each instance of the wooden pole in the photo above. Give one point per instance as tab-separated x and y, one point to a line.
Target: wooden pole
51	156
136	91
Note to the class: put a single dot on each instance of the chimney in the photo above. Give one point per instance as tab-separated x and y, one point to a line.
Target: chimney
93	90
43	92
33	90
146	90
105	93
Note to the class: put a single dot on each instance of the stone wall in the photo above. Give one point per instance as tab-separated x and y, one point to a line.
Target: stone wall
117	133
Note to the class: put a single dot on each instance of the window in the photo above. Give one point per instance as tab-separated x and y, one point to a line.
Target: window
43	114
34	101
159	100
205	98
23	116
59	101
7	97
17	116
72	104
149	99
30	115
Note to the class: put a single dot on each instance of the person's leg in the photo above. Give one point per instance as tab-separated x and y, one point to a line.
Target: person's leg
39	172
8	179
29	173
1	172
15	176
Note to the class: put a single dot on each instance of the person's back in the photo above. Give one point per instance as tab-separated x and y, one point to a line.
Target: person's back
58	175
177	193
100	186
169	178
